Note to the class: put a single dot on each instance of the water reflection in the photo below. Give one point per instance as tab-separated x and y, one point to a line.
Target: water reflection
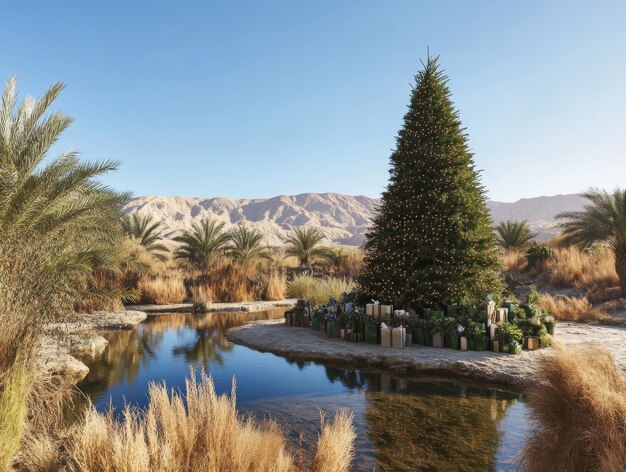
402	422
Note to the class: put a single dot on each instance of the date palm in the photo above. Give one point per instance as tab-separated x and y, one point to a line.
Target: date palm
602	220
57	224
148	232
246	246
514	234
202	244
306	244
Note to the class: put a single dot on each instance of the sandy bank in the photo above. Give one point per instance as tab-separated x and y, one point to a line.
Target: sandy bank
505	369
215	307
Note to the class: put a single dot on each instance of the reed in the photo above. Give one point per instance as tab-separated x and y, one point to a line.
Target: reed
573	309
163	289
197	431
578	405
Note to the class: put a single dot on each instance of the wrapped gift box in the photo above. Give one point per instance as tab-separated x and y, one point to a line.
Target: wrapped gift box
377	309
398	337
463	345
531	343
437	340
495	345
502	315
492	330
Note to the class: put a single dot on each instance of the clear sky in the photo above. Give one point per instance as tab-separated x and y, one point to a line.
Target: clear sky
261	98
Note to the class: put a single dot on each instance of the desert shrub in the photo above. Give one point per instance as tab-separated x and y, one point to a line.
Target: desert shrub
163	290
572	309
538	253
592	272
13	409
578	405
318	289
197	431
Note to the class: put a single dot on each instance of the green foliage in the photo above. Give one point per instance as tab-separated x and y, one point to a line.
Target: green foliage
246	246
538	253
509	333
603	220
306	244
148	232
514	234
431	240
203	244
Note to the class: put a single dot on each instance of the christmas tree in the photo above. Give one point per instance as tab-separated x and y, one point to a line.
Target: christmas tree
431	242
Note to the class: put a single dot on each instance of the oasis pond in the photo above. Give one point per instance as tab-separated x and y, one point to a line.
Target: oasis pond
402	422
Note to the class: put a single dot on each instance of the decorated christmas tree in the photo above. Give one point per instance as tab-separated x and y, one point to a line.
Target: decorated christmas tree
431	242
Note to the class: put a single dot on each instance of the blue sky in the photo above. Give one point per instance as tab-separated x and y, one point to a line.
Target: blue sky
256	99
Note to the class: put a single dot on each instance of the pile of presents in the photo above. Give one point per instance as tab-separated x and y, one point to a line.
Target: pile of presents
508	328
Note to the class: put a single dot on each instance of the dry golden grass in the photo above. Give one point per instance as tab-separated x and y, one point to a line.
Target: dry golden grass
514	260
572	309
579	413
335	445
318	289
199	431
163	290
276	286
592	273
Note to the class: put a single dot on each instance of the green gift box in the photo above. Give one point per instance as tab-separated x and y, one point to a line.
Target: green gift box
315	324
330	326
450	310
482	315
437	314
371	334
472	311
452	340
428	337
418	336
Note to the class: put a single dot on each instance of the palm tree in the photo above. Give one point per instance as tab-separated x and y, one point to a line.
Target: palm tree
245	246
201	245
603	219
305	244
514	234
57	223
148	232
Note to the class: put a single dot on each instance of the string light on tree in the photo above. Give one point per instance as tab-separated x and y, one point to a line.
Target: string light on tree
431	242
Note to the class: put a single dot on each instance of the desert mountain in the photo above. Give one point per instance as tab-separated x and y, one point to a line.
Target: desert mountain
342	218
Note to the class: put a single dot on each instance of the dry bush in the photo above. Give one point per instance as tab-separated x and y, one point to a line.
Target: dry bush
513	260
318	289
591	272
276	286
578	405
335	445
198	431
572	309
229	281
163	290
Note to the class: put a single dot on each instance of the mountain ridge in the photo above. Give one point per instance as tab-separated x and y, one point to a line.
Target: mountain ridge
344	219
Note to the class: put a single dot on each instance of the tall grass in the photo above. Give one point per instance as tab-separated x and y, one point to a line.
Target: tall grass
591	272
163	289
335	449
572	309
197	431
318	289
578	405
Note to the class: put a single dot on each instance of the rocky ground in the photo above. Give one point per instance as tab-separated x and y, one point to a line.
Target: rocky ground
78	337
506	369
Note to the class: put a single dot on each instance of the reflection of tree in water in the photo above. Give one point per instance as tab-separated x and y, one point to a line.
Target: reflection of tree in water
428	425
129	351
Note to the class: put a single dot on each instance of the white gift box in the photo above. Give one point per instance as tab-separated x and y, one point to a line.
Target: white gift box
492	330
502	315
377	309
392	337
491	312
398	337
